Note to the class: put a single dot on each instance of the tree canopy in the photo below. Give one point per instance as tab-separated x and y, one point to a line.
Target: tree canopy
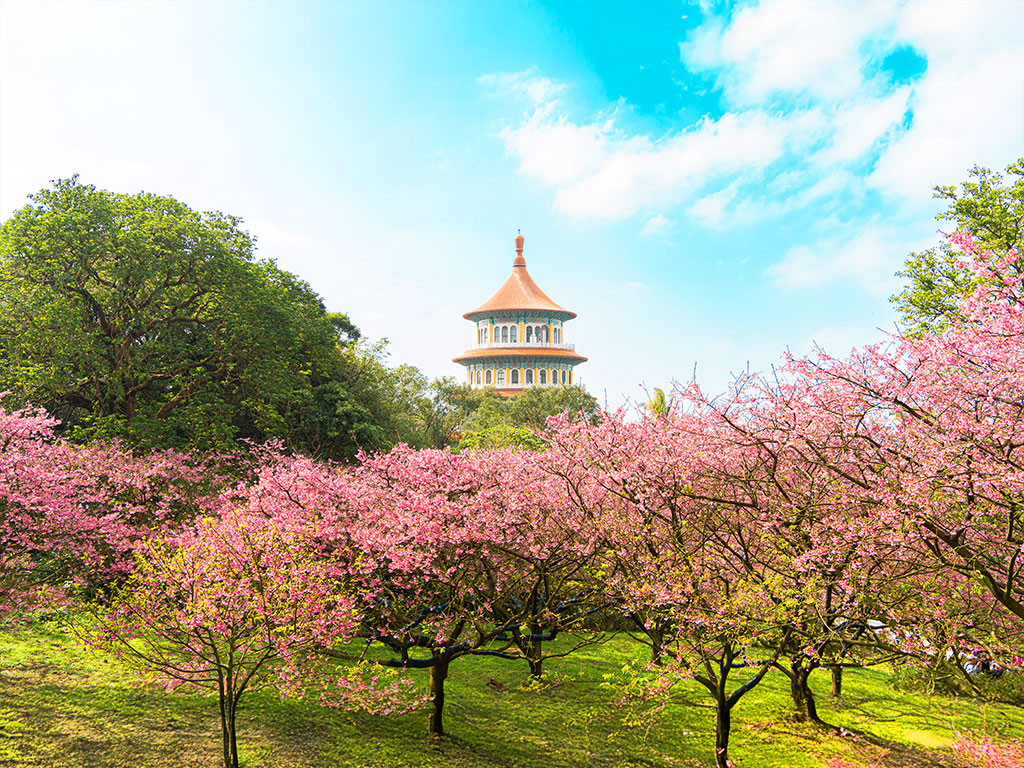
990	207
135	316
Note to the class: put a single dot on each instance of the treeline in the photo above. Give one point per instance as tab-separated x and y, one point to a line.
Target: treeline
135	317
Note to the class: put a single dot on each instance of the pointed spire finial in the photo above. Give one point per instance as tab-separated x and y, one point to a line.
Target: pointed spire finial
519	261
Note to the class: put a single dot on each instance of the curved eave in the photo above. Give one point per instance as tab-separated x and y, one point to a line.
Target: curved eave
519	294
514	312
520	353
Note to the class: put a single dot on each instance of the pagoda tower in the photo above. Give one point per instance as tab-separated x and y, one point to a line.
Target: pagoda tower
520	337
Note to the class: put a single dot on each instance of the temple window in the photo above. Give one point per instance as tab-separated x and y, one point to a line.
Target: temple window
478	377
529	375
501	375
515	375
487	378
563	377
529	334
545	334
543	375
504	334
515	332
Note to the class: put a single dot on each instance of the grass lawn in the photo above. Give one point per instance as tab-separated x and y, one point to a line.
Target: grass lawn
64	706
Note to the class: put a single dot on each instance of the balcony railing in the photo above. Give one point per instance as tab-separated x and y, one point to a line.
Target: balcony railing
516	344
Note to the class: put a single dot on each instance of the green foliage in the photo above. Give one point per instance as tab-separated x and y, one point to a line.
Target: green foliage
946	679
532	407
499	422
501	436
659	404
940	678
134	316
990	206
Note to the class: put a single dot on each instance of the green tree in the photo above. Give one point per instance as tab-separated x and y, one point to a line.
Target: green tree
134	316
532	407
433	412
659	404
516	421
989	206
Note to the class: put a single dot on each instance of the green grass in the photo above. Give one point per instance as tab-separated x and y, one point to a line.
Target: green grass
62	706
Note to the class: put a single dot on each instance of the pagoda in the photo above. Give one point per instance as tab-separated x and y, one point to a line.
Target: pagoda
520	337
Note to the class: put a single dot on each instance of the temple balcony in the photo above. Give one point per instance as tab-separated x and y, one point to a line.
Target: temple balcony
521	345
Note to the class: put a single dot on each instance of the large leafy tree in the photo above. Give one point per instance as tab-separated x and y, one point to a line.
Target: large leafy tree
135	316
990	207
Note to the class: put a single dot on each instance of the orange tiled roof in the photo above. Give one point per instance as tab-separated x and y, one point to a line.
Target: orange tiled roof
484	352
519	292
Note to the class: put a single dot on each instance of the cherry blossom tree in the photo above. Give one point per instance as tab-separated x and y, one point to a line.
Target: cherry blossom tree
448	555
943	416
678	544
70	515
229	608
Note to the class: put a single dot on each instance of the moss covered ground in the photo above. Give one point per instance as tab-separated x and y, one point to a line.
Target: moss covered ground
62	706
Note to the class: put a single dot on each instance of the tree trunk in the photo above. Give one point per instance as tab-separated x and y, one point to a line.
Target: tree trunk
225	731
799	692
228	705
803	696
535	658
723	722
438	674
837	682
234	739
657	638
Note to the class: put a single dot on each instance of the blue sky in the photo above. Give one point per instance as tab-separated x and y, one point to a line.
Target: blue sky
705	184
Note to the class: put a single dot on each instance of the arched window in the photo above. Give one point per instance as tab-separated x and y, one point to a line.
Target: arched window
501	376
529	375
487	378
558	335
515	332
478	377
515	375
546	334
504	334
543	375
563	377
529	334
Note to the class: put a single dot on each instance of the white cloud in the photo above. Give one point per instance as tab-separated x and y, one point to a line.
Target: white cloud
785	194
523	85
710	211
603	173
969	106
557	151
657	224
788	46
859	125
809	105
867	256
